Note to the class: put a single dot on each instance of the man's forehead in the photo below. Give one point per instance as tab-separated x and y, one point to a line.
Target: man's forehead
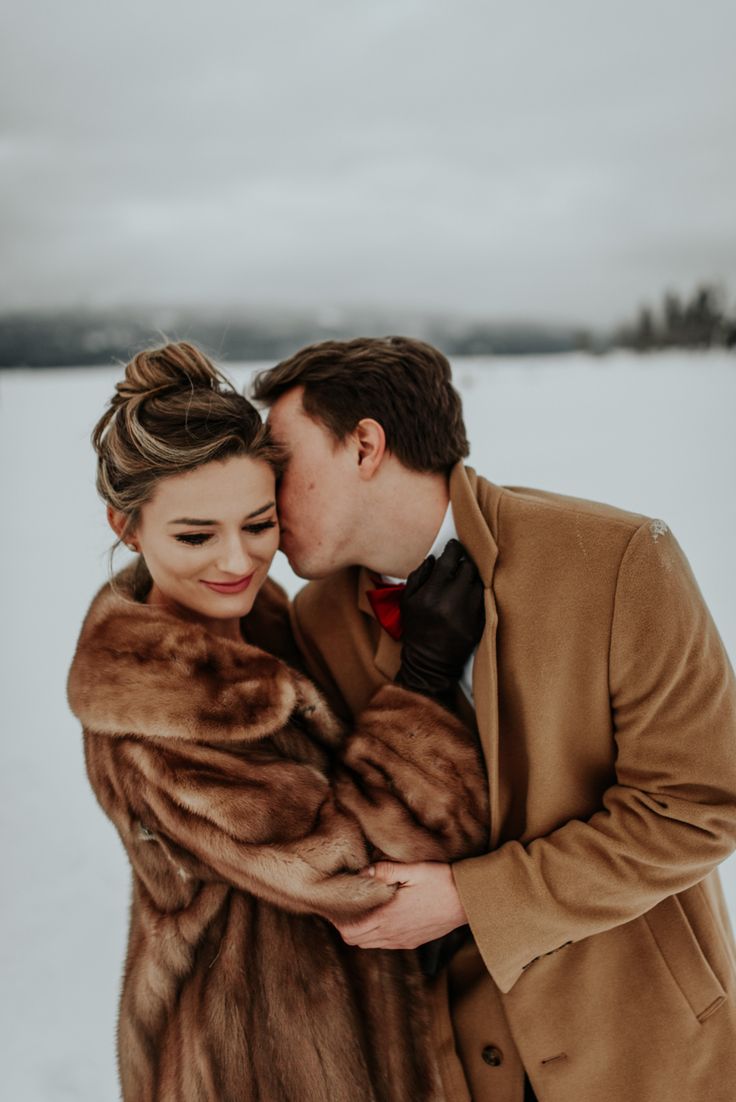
287	407
295	427
288	416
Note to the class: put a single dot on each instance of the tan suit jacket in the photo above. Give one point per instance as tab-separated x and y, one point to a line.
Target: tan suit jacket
601	956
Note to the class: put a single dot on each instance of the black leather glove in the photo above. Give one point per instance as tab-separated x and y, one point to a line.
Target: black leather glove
442	621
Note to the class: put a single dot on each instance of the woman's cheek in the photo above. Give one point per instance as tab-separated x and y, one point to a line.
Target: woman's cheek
275	534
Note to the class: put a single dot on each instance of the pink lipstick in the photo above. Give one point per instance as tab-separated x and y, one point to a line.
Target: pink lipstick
229	587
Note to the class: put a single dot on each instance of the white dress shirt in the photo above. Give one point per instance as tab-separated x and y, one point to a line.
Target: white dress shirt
447	532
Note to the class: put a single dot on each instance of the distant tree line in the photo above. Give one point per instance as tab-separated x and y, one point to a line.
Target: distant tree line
702	321
78	338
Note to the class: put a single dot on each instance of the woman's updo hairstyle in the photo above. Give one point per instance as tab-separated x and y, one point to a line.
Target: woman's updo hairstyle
173	412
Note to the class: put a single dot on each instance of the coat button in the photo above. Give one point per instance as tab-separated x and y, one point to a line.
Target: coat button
492	1056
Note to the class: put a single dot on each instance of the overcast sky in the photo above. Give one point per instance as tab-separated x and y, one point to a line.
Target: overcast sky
558	159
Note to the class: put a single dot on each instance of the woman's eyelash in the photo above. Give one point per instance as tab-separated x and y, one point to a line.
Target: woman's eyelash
254	529
196	539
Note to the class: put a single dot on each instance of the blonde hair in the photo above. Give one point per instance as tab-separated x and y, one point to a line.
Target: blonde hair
173	412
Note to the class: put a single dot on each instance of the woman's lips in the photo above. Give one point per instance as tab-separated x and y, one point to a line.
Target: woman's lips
229	587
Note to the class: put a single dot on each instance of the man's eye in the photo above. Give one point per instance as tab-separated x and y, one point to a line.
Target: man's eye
194	539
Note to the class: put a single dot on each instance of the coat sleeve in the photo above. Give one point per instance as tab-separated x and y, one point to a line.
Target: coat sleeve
413	777
259	815
257	822
670	816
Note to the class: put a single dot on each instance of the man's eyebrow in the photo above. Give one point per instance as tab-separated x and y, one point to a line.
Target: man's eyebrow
196	522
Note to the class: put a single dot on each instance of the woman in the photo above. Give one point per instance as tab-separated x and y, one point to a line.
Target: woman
245	809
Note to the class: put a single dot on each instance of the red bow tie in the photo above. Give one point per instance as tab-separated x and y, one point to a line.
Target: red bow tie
386	604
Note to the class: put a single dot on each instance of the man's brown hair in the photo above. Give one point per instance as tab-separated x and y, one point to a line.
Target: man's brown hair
402	383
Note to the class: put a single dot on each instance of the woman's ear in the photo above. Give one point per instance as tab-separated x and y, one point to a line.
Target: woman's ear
371	442
118	522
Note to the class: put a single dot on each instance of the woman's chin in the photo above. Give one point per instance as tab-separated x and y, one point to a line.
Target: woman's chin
206	605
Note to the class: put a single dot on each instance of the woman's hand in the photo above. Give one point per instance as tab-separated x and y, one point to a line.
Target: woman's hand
442	621
426	906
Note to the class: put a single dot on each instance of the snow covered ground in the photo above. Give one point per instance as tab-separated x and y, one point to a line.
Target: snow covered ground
655	435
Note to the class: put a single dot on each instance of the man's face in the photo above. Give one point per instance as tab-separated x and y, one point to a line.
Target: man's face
319	494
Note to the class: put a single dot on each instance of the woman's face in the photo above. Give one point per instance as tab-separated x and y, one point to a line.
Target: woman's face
208	537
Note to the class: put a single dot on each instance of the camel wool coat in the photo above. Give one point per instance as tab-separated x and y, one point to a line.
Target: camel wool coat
601	960
246	811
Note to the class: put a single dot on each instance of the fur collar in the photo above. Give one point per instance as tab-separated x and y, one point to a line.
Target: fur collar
140	669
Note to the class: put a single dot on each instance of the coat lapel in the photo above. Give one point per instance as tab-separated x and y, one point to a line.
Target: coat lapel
387	655
475	529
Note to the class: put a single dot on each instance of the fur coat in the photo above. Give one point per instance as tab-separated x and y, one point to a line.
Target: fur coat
245	810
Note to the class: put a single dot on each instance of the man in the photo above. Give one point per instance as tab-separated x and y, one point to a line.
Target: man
598	964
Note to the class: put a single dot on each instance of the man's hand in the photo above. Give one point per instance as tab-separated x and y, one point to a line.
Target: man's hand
425	907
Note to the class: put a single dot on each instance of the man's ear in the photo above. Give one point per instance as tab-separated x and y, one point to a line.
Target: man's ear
371	444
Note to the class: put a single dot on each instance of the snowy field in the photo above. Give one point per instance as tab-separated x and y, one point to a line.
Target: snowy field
655	435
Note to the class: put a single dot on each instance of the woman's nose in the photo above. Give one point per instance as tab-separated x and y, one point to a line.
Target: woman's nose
234	558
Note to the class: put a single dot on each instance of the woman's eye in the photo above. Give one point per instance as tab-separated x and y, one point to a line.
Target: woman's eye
194	539
254	529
